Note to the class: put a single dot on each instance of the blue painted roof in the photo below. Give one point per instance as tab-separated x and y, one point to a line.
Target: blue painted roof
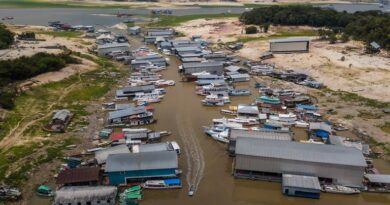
172	181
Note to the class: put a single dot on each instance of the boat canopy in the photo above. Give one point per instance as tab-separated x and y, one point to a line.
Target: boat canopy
172	182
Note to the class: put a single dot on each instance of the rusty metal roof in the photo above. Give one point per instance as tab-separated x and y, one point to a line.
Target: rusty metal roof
78	175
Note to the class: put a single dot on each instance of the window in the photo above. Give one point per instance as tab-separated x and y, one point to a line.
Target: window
98	202
108	201
78	203
89	203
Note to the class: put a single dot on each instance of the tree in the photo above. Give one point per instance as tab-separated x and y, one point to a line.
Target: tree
251	30
344	38
332	38
266	27
6	37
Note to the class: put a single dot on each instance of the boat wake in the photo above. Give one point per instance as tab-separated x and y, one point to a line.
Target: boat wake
194	154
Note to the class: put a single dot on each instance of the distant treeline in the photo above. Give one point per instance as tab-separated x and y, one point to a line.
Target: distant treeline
6	37
365	26
26	67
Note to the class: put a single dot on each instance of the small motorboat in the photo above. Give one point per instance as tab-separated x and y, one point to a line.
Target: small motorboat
45	190
239	92
191	192
301	124
338	189
228	112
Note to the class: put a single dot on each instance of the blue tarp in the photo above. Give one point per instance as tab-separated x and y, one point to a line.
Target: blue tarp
307	107
172	181
322	134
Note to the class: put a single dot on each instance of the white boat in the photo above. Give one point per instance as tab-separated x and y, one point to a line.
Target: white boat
228	112
163	83
338	189
216	99
244	121
140	96
224	122
222	136
301	123
163	184
148	100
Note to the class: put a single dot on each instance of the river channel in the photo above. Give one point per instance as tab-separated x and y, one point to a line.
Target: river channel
205	162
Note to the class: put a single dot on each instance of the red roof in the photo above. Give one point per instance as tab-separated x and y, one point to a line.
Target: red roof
149	107
117	136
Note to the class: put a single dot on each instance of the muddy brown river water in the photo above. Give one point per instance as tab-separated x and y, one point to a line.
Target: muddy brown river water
207	166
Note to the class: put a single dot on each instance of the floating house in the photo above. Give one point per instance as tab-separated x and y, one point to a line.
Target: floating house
245	111
135	30
103	50
210	67
127	92
215	57
320	129
266	159
93	195
101	156
301	186
260	134
79	176
156	147
238	77
132	116
127	168
289	45
59	121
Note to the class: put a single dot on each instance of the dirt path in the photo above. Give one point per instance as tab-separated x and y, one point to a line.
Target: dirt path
14	136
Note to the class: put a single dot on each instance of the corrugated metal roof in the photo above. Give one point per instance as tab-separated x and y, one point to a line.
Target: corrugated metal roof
154	147
247	109
102	155
113	45
182	49
378	178
78	175
299	181
239	75
141	88
61	115
291	150
126	112
262	134
320	126
72	194
287	40
142	161
202	64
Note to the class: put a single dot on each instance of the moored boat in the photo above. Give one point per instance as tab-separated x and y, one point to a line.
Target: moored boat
44	190
338	189
163	184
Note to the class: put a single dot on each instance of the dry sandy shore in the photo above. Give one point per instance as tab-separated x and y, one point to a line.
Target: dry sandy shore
366	75
52	45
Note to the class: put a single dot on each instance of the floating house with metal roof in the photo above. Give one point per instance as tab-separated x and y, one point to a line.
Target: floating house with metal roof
258	134
131	116
86	195
212	67
127	168
301	186
267	159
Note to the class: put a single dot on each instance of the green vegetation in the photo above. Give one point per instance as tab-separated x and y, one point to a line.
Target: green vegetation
280	34
63	34
251	30
26	67
353	97
366	26
6	37
74	93
386	127
168	21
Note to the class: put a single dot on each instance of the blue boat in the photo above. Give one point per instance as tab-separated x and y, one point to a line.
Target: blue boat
239	92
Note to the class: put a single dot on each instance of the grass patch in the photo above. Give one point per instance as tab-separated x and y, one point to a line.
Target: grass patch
130	24
279	34
353	97
63	34
168	21
386	127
